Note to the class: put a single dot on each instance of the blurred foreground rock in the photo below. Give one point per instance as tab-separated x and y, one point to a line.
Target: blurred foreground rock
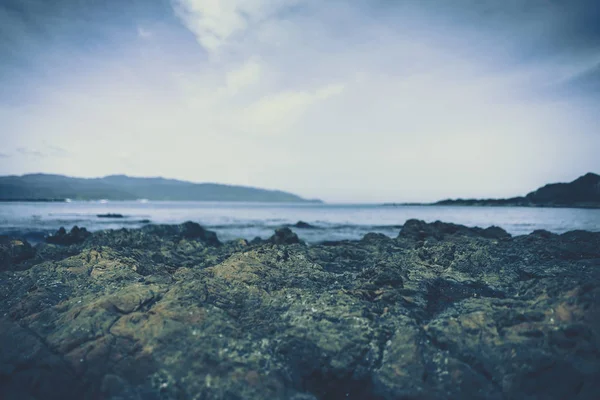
76	235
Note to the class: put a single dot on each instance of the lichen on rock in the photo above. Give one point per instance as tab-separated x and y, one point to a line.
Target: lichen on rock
442	311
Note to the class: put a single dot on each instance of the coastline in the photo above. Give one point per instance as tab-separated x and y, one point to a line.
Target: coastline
122	313
583	192
486	203
34	200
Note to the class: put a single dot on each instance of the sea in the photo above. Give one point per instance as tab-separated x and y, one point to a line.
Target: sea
233	220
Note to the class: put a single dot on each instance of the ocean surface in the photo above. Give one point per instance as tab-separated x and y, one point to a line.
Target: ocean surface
248	220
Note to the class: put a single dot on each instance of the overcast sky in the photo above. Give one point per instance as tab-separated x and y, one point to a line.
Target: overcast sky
353	101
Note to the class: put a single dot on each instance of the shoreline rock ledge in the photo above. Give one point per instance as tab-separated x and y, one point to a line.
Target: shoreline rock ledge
169	312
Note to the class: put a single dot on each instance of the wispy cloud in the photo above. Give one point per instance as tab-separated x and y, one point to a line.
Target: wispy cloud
245	75
144	33
48	151
276	113
31	152
55	151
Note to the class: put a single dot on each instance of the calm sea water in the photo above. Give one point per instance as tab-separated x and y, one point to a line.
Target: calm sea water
248	220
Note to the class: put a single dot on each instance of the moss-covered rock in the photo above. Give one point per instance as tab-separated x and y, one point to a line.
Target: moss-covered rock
169	312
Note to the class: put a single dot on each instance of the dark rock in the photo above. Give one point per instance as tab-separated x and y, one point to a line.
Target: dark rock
75	236
284	236
543	233
111	216
304	225
192	230
421	230
441	312
494	232
443	293
14	251
29	369
187	230
334	242
374	237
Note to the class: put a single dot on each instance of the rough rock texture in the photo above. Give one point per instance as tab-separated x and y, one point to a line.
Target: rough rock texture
168	312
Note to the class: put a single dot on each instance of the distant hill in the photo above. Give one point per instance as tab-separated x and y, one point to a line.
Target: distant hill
583	192
47	187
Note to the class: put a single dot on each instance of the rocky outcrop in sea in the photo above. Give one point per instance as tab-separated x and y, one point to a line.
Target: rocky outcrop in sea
169	312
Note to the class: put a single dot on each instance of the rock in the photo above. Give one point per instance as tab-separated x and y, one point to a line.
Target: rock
75	236
441	312
493	232
420	230
284	236
110	216
304	225
14	251
375	237
543	233
30	369
187	230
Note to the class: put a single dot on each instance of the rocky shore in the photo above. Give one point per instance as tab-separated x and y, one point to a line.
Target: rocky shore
169	312
583	192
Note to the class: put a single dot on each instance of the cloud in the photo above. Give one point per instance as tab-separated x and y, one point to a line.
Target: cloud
30	152
329	91
144	33
55	151
216	22
4	155
243	76
276	113
49	151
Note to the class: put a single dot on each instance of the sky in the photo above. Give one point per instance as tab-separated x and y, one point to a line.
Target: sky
346	101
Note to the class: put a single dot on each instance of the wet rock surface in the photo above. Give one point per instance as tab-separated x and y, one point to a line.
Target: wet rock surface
169	312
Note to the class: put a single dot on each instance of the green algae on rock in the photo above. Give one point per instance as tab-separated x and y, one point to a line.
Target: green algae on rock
169	312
